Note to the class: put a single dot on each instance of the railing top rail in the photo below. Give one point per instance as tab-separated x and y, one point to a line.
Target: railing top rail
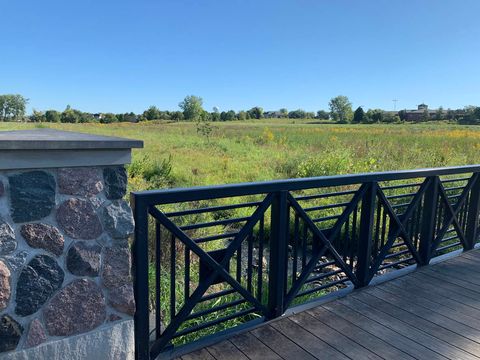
166	196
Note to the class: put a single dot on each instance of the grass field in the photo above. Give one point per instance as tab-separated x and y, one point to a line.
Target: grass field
176	155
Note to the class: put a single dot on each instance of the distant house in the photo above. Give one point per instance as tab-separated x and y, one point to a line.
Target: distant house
422	113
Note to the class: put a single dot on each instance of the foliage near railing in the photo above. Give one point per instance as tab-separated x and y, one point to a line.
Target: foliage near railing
238	254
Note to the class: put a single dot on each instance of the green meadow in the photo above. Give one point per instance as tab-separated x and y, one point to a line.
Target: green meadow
177	155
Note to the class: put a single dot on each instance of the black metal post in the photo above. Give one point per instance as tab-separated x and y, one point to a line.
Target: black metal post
278	253
429	215
471	233
365	235
140	273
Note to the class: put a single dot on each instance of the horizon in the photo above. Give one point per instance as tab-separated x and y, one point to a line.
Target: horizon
298	54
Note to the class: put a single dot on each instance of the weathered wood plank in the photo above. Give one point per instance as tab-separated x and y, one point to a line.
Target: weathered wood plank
226	351
280	343
333	337
310	343
429	341
202	354
393	338
368	295
360	336
253	348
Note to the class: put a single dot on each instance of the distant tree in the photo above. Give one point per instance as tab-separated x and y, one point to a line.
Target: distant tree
12	107
323	115
84	117
375	115
242	115
471	116
450	114
255	113
37	116
341	109
390	118
297	114
129	117
425	115
52	116
215	115
309	115
228	116
192	107
283	113
177	116
439	114
402	114
70	115
152	113
108	118
359	116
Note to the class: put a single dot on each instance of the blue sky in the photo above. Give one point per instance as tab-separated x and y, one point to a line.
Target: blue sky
118	56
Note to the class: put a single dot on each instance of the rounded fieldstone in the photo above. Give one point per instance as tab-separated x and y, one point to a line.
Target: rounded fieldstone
116	267
83	259
2	188
4	285
43	236
118	219
122	299
77	308
8	244
17	260
115	182
37	283
79	181
36	334
32	196
10	333
79	220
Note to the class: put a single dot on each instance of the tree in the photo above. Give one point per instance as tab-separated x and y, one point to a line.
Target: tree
52	116
359	116
12	107
255	113
242	115
192	107
108	118
439	114
37	116
402	114
323	115
341	109
152	113
70	115
297	114
283	113
215	115
375	115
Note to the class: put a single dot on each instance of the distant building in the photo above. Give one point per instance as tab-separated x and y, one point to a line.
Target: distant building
422	113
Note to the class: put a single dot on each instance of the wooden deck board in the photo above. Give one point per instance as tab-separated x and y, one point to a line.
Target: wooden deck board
431	313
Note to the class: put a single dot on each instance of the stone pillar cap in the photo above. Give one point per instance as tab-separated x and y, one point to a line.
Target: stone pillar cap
49	148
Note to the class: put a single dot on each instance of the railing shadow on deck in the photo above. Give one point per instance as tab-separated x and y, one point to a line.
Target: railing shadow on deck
211	261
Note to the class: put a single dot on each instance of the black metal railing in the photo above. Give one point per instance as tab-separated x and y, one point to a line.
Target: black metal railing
211	260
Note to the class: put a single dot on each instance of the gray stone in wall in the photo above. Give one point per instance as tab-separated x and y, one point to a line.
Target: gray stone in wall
122	299
2	188
115	342
8	244
36	334
17	260
4	285
116	267
10	333
80	181
43	236
118	219
83	259
37	283
32	196
78	219
77	308
115	182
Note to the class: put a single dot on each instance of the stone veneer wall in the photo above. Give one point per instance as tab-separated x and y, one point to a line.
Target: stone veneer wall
64	253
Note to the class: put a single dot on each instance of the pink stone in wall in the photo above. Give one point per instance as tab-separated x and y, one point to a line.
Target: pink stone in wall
4	285
78	219
80	181
43	236
36	334
116	267
122	299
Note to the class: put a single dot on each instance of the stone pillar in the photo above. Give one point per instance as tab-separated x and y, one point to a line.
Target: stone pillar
65	278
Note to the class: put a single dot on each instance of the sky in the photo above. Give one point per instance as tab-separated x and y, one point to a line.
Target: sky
124	55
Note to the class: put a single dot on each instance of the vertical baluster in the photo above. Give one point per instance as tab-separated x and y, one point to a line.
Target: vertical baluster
187	273
365	237
429	213
260	259
471	233
249	261
173	298
158	256
295	249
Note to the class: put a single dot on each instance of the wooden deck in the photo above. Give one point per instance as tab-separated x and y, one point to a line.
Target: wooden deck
431	313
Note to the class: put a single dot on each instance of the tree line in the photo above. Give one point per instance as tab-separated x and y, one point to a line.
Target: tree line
13	108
